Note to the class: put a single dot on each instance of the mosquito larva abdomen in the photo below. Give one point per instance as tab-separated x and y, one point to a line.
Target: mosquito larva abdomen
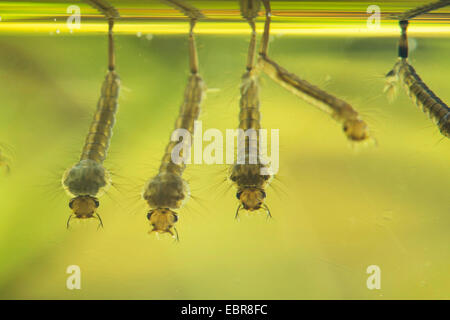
100	132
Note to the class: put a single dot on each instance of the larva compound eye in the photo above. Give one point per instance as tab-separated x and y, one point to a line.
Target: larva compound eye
238	195
96	202
149	215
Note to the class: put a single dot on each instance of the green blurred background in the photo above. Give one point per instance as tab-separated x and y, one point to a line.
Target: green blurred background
336	210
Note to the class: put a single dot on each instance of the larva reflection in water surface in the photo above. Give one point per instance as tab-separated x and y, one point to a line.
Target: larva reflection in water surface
88	179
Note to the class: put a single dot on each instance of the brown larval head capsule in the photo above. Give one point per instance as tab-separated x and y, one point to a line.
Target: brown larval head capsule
356	130
251	199
163	220
84	207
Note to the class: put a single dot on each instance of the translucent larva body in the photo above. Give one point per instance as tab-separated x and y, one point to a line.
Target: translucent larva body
414	86
353	126
88	179
247	176
422	96
100	131
168	191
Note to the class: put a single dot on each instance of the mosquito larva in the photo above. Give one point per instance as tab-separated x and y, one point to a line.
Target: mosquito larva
247	176
168	191
354	127
417	90
408	15
88	179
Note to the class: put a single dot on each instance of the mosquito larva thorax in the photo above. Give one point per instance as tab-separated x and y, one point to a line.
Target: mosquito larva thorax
87	177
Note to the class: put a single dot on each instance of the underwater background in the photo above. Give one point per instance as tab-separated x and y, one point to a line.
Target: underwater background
336	208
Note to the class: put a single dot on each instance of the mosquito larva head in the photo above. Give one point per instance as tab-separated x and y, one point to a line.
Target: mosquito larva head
84	207
162	220
356	130
251	198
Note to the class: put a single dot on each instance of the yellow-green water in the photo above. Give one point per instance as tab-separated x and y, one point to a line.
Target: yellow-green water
336	210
